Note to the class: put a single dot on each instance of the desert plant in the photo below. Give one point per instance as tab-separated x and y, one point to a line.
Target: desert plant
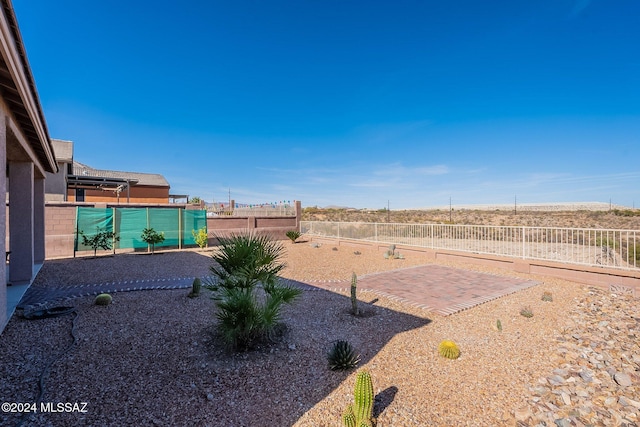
449	349
354	299
526	312
293	235
334	248
245	313
152	237
201	237
195	288
499	325
360	412
342	356
392	254
547	296
103	299
357	253
103	239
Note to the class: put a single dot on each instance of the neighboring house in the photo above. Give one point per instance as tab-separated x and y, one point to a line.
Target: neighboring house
55	186
77	182
87	184
26	156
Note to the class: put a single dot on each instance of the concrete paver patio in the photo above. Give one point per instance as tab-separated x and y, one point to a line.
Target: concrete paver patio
442	290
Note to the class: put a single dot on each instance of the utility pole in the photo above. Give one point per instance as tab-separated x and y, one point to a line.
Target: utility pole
450	211
515	204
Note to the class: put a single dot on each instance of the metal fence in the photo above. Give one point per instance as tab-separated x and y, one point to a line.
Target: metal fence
592	247
274	210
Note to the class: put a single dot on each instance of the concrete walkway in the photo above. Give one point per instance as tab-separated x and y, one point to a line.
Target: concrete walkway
442	290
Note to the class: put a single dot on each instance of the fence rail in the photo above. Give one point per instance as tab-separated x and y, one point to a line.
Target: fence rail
591	247
275	210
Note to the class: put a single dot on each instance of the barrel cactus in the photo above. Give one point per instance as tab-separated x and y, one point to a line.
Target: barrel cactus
103	299
449	349
360	413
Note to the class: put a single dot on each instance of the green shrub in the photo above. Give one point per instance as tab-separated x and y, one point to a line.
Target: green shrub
499	325
201	237
526	312
103	299
342	356
293	235
547	296
152	237
246	313
103	239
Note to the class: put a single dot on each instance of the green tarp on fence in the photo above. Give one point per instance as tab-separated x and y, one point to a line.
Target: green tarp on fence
128	223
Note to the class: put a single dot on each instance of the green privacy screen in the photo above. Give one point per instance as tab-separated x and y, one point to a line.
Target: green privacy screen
128	223
90	221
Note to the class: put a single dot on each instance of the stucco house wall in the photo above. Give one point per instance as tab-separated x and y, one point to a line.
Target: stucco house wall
26	156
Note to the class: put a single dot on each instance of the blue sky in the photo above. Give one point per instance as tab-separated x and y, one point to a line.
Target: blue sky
353	103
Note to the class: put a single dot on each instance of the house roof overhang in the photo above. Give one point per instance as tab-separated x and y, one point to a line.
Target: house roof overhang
18	90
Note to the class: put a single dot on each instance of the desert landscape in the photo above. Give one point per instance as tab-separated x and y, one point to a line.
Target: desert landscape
153	357
582	215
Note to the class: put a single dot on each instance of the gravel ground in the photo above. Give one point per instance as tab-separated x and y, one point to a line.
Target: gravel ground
153	358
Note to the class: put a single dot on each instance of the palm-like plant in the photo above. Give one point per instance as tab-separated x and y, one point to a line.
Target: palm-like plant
244	261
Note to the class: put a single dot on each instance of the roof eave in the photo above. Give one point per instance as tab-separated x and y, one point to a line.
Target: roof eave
18	67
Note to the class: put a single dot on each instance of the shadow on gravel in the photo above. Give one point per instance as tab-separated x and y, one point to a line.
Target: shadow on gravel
134	363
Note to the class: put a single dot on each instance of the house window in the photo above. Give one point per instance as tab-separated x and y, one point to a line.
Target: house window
79	194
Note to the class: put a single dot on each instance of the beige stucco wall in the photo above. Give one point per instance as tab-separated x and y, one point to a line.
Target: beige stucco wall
3	215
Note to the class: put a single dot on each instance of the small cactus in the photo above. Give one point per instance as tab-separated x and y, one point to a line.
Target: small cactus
499	325
348	417
103	299
354	299
390	253
360	413
449	349
547	296
526	312
342	357
195	288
